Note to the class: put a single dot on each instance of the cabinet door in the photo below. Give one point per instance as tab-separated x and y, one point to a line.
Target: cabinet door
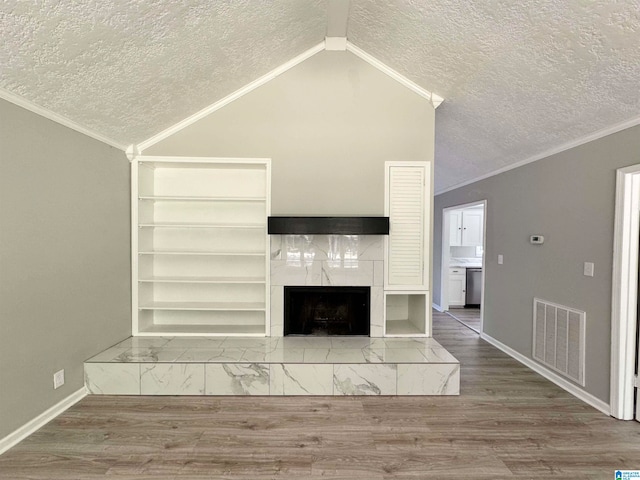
407	204
457	286
455	228
472	222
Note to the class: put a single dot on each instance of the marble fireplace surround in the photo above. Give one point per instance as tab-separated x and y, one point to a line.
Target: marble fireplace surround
327	260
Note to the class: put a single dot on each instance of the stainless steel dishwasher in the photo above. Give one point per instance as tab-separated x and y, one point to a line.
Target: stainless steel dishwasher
474	287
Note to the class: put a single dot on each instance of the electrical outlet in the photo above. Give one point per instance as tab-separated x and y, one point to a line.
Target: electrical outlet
58	379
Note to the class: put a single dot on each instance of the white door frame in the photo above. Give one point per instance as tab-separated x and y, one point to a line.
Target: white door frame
444	267
625	291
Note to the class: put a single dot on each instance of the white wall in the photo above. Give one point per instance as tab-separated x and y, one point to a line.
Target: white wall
329	124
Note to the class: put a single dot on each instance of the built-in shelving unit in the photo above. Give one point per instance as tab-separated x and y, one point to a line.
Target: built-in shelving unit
407	297
200	250
405	313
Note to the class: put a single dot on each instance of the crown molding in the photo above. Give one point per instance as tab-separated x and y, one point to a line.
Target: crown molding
62	120
618	127
335	43
435	100
231	97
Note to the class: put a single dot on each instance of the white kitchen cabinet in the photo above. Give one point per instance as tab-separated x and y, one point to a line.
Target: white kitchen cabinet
466	227
457	287
472	223
200	255
455	228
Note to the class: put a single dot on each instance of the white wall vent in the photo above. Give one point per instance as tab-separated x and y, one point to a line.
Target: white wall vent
559	338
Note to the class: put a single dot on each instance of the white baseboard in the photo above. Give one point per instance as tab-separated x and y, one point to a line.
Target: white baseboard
28	428
551	376
437	307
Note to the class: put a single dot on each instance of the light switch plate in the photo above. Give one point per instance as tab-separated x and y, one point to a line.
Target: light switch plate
588	269
500	259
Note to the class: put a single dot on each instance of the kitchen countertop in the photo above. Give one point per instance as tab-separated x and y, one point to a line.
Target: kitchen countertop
465	262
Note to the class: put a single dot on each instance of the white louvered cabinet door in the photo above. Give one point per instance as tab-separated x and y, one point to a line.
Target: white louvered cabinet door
407	205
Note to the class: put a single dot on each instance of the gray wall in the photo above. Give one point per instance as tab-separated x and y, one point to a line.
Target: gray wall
64	259
570	199
328	124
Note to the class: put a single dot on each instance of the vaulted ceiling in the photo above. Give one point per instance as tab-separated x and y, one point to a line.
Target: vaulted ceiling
520	79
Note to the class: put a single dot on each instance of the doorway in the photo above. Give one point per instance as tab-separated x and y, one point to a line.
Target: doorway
463	260
625	398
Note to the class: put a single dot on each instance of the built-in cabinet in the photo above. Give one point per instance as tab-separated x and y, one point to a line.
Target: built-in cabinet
406	280
466	227
200	255
457	287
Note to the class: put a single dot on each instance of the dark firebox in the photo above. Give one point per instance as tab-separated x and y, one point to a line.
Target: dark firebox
326	311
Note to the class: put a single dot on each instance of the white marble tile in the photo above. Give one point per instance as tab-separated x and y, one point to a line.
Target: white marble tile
288	355
237	379
275	243
195	342
403	343
150	354
284	274
368	379
378	273
429	379
334	247
306	342
109	354
212	355
376	313
300	379
141	342
360	275
277	311
437	355
423	341
389	355
112	378
258	343
172	379
371	247
330	355
350	342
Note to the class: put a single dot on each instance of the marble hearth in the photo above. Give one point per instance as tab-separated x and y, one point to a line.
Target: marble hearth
274	366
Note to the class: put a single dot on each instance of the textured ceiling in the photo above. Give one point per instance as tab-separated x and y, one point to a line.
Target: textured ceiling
519	78
128	69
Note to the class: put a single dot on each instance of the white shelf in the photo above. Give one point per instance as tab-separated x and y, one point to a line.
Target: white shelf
241	280
201	225
194	330
403	328
166	198
405	313
209	306
200	246
214	254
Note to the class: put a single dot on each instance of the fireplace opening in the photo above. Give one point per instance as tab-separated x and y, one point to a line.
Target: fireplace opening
324	311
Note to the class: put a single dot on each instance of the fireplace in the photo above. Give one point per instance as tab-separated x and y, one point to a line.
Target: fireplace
326	311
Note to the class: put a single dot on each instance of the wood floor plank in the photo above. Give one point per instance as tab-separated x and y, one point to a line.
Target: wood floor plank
507	423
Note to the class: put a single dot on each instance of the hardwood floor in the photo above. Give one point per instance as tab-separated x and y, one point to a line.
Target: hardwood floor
467	316
508	423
